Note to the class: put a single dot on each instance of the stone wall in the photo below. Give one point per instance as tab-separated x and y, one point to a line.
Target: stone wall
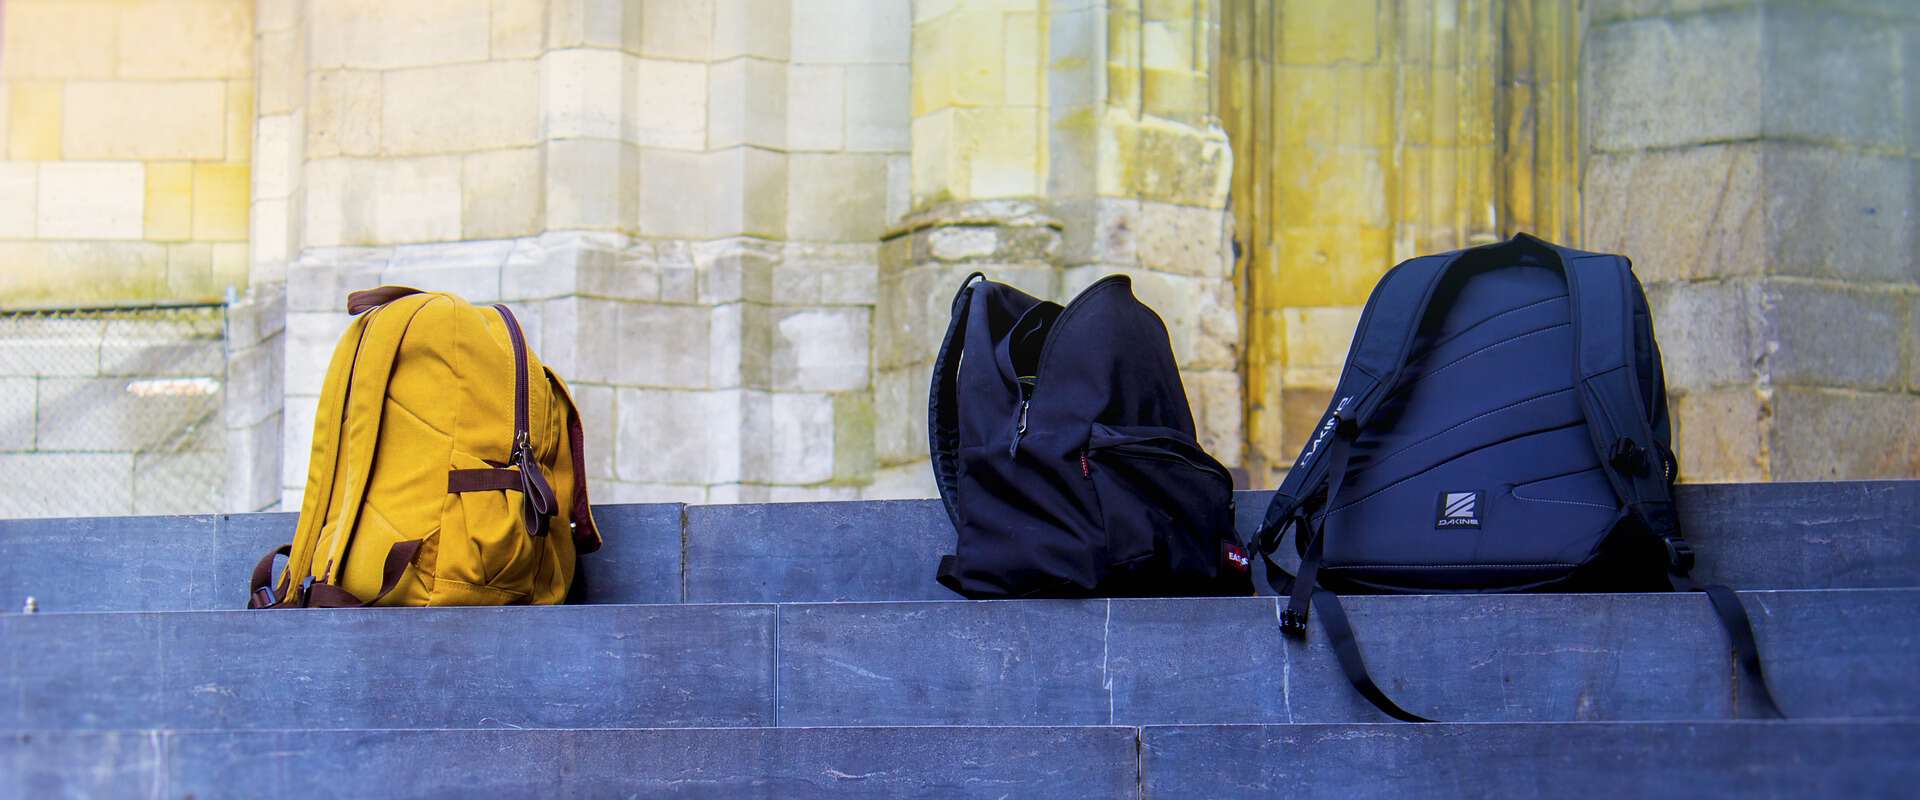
125	131
1757	160
682	200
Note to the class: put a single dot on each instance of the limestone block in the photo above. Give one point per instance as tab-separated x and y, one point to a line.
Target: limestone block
1839	215
239	121
35	347
740	352
17	413
499	194
1720	435
232	265
663	345
58	39
816	107
679	30
802	438
613	491
253	467
595	404
43	483
389	201
711	195
608	24
901	482
878	108
1099	230
1333	187
839	197
596	323
1023	60
111	120
254	385
297	431
273	165
190	270
34	120
853	453
1172	162
277	15
582	93
91	200
1329	266
469	269
1316	341
1328	33
1214	396
1828	76
851	32
1660	82
324	276
19	199
517	29
1184	240
624	276
282	71
821	350
592	184
461	107
1828	434
900	419
1685	214
1708	333
221	201
377	34
344	114
669	105
269	241
735	270
310	340
186	40
1824	334
658	437
899	188
751	28
747	104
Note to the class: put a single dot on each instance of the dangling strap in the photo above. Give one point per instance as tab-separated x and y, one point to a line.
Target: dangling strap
1333	619
1293	621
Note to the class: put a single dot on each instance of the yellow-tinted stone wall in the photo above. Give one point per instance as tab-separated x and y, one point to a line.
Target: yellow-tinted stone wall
125	150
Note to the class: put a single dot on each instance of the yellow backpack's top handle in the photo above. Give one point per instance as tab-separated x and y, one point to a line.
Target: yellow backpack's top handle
369	299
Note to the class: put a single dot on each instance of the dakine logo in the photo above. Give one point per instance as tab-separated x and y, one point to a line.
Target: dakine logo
1458	510
1313	446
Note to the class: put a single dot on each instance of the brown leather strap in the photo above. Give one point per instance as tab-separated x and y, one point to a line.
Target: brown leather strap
483	480
326	595
258	595
586	536
370	299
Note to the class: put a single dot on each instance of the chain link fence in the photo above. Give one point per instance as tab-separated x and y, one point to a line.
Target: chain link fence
112	411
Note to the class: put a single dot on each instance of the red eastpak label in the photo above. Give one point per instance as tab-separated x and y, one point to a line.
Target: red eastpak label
1234	557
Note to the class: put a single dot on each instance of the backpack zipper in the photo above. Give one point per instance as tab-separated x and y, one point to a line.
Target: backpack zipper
1020	430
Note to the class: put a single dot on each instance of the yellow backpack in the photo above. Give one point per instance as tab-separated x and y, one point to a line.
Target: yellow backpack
438	452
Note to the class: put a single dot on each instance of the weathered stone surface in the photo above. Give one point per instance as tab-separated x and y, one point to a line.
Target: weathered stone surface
1658	82
19	183
343	113
756	28
373	34
178	119
1834	335
592	184
806	552
91	200
579	91
960	762
747	104
1824	434
703	666
1720	434
1732	759
821	349
990	663
496	200
1835	214
462	107
1685	214
1711	334
1828	74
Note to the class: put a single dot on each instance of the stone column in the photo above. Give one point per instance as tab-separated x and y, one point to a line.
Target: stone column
1756	160
1053	144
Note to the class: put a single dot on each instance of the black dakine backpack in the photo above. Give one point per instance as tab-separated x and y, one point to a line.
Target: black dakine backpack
1500	426
1064	450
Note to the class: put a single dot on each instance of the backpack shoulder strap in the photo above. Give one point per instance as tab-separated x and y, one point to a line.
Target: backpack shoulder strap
1603	292
943	412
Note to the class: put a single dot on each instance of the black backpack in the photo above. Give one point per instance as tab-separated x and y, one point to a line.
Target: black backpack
1500	426
1064	450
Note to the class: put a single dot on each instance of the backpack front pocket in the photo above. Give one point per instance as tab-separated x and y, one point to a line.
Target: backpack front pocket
1159	491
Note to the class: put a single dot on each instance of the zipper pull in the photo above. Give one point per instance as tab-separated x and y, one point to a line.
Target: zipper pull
1086	469
1019	430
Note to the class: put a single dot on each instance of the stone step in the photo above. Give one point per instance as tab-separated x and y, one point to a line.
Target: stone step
1689	760
1692	760
1837	535
1831	653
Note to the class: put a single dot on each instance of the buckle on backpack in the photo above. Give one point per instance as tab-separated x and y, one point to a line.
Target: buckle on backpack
1293	623
1679	555
1628	457
261	598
